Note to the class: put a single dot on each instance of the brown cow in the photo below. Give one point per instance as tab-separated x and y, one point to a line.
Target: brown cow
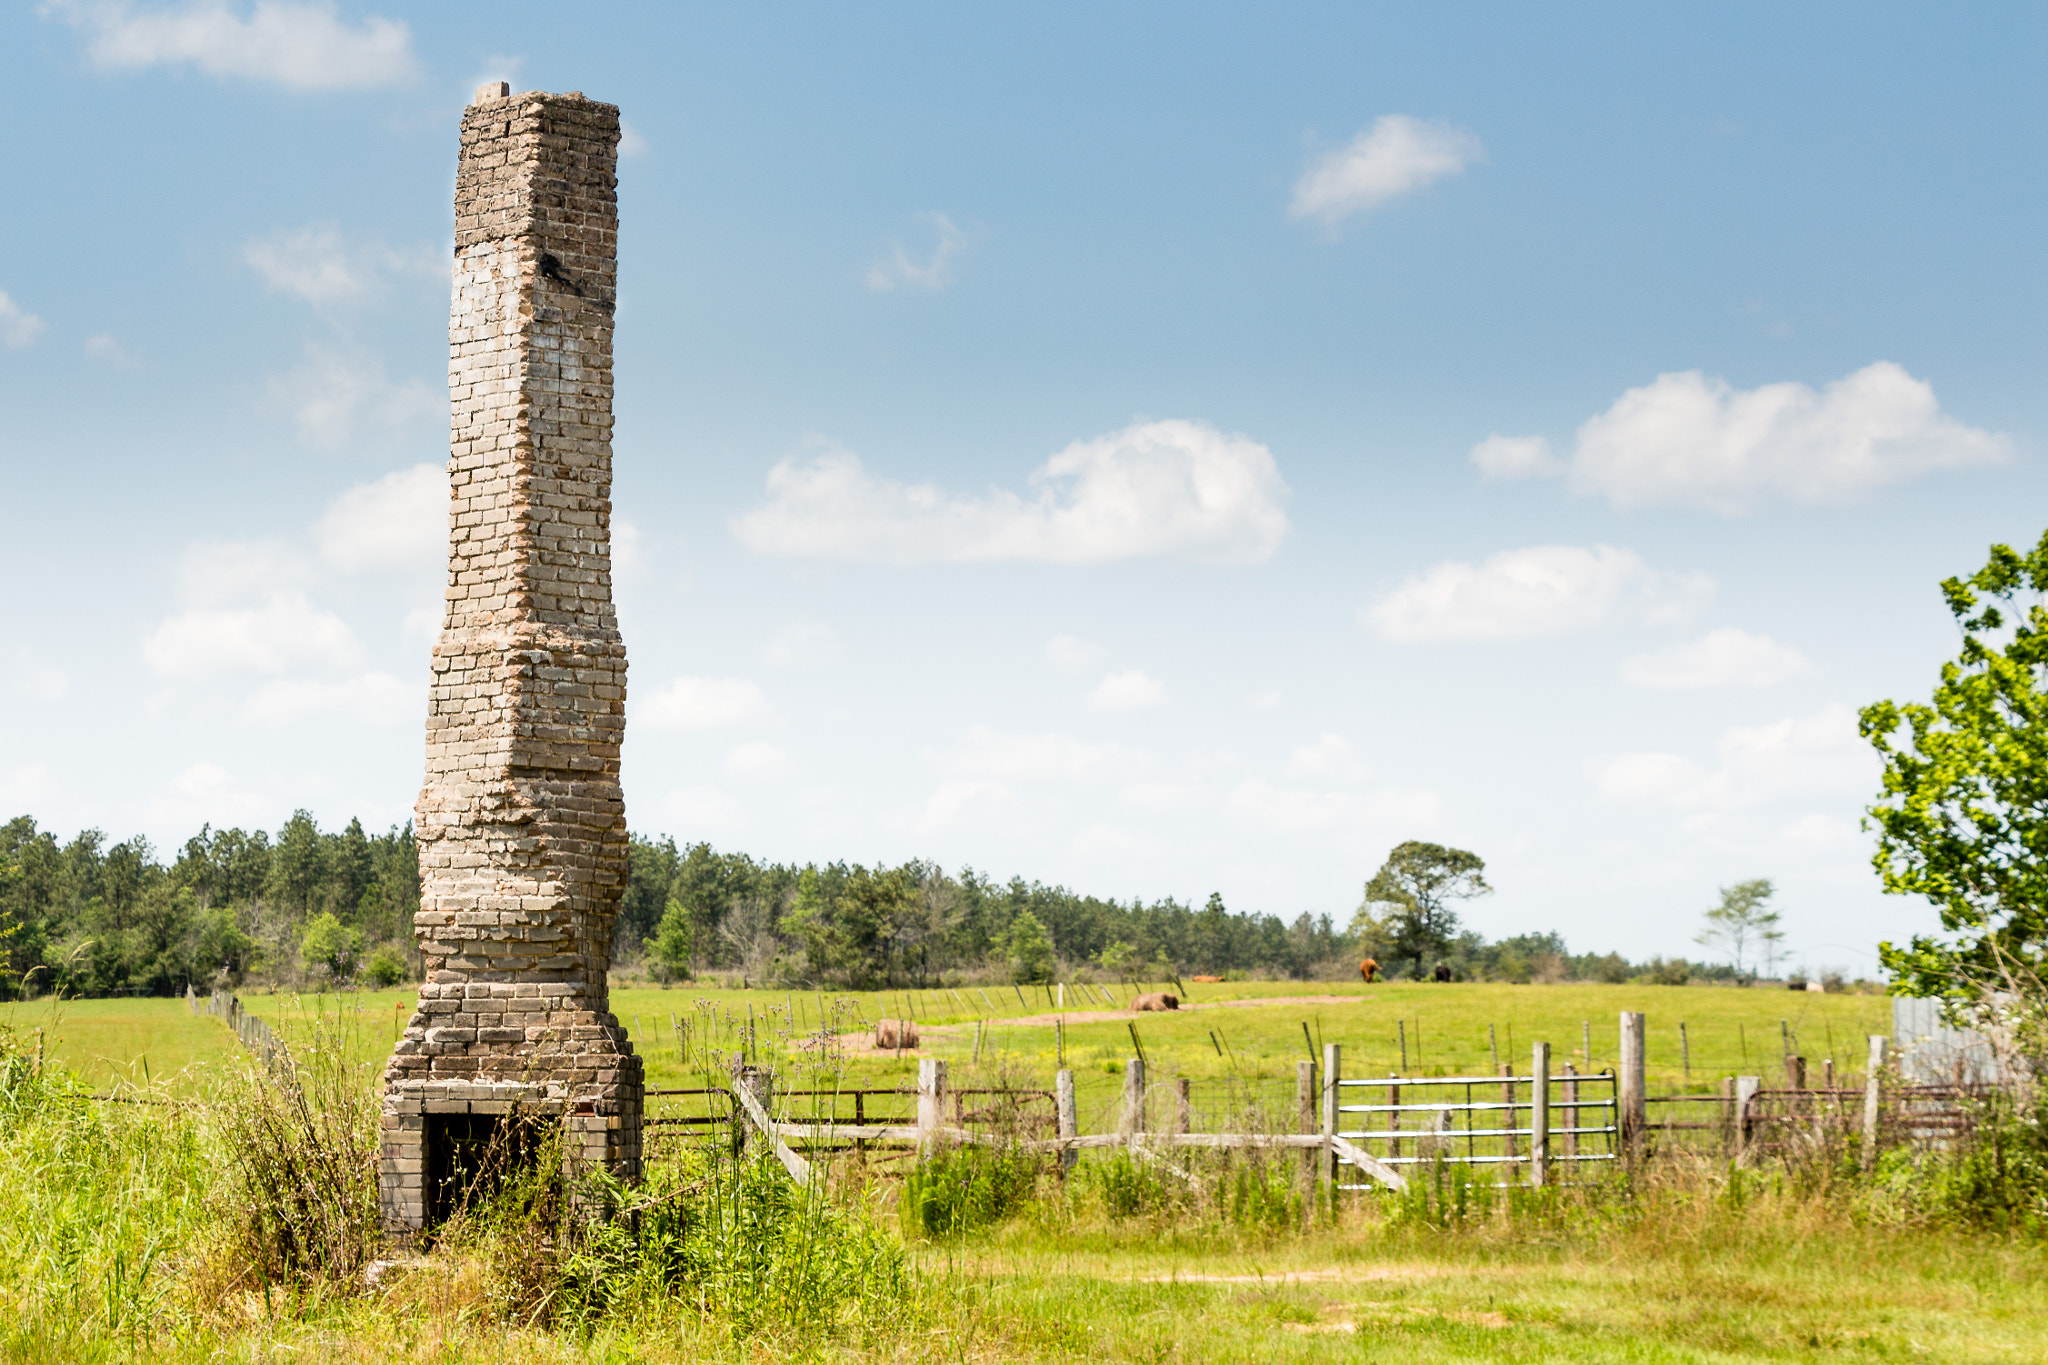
1369	970
1156	1000
894	1034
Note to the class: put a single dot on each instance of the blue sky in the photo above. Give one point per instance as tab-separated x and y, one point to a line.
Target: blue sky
1157	449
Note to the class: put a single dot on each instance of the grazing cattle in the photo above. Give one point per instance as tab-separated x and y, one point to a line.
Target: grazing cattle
1157	1000
892	1035
1443	971
1369	970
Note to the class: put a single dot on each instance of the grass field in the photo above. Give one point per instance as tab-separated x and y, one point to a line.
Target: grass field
1236	1041
1686	1270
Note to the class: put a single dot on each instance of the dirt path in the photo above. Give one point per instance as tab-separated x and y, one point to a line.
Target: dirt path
1102	1015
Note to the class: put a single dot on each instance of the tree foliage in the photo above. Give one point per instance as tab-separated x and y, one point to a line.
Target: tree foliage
1741	920
1408	902
1963	815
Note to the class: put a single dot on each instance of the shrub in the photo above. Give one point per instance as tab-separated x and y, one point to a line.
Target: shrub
967	1188
385	968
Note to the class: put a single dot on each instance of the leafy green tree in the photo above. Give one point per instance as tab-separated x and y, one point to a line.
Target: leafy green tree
672	944
1963	814
1742	920
1121	959
330	945
1030	951
1415	889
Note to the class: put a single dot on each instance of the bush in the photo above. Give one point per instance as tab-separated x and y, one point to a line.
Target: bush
385	968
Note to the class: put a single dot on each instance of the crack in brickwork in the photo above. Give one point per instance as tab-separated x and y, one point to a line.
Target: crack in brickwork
521	824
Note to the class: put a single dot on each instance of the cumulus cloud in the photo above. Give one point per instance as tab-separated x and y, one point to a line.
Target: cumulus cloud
702	704
1515	457
207	792
1131	690
701	810
1262	806
300	46
282	631
317	264
1542	590
1397	155
18	327
758	761
1158	489
396	521
1165	797
338	394
1688	440
1721	658
105	348
804	644
900	269
1329	757
1050	757
1071	654
376	699
951	799
1795	758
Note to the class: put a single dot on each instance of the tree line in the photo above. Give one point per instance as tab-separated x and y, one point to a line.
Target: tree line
307	907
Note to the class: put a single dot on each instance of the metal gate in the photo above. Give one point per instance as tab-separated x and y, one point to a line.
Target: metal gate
1479	1121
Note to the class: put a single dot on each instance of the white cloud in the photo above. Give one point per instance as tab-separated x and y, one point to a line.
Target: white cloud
1328	757
702	704
103	347
631	141
1034	758
1396	156
371	699
300	46
1265	701
1360	815
804	644
758	761
1070	654
696	812
284	631
1721	658
1686	440
18	327
1174	489
1130	690
1797	758
396	521
206	792
25	788
1102	840
950	800
1515	457
1542	590
337	394
222	572
1165	797
901	269
318	264
629	554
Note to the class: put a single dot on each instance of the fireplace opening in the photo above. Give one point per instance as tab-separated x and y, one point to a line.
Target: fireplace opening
471	1156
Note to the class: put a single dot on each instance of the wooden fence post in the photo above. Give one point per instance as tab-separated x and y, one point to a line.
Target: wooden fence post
1873	1083
1333	1071
759	1082
1134	1097
1539	1115
1629	1083
1795	1073
1069	1125
1183	1106
1728	1117
931	1104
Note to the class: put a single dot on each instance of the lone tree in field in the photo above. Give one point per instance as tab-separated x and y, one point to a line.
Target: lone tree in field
1741	920
1963	818
1408	901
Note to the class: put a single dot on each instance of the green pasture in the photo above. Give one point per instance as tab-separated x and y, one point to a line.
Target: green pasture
1236	1041
110	1043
